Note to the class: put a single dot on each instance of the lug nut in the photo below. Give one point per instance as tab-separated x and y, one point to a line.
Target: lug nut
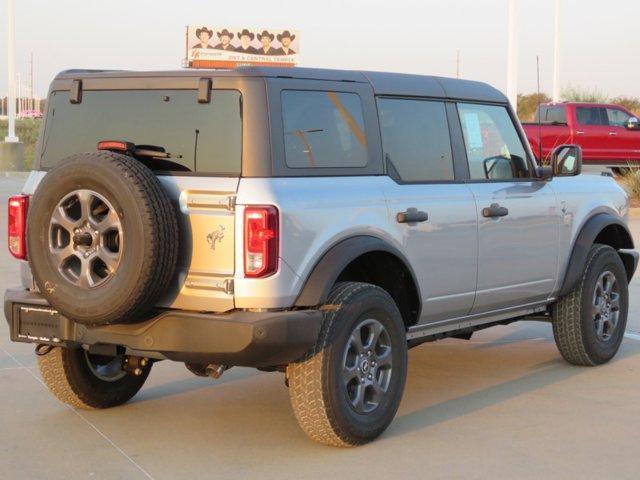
144	362
137	372
369	376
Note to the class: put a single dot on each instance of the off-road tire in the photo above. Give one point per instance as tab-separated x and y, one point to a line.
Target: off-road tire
573	323
67	375
318	399
149	246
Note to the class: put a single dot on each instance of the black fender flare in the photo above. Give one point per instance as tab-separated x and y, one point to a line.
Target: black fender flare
586	238
327	270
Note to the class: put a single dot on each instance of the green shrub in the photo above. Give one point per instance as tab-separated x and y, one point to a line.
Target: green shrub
27	130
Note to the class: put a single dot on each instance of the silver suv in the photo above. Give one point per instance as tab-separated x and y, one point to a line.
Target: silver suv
313	222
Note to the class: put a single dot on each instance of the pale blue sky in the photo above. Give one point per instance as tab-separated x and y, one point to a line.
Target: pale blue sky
600	45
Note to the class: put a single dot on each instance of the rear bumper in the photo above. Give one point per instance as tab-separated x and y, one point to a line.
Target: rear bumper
253	339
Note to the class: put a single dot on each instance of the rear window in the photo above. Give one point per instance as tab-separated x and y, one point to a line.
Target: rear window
323	129
201	137
553	115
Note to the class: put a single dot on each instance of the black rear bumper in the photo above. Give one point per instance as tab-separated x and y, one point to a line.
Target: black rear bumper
253	339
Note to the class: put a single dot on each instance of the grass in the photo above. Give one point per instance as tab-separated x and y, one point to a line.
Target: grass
630	181
27	130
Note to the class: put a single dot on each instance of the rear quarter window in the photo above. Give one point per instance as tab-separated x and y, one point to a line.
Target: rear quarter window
323	129
203	138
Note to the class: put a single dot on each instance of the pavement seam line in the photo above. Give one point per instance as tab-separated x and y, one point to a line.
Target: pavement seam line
96	429
632	335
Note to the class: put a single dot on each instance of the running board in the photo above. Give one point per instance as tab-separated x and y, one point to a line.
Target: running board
447	328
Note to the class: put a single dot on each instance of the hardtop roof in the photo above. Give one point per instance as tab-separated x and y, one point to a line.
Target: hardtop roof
383	83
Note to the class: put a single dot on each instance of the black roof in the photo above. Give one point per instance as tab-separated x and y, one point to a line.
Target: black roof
383	83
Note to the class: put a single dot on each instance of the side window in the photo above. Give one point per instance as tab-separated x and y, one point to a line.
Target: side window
556	115
494	149
617	118
415	139
552	115
592	116
323	129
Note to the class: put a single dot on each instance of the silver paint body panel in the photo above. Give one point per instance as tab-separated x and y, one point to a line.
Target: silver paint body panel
470	270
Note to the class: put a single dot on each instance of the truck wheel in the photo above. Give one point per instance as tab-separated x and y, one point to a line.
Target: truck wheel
102	238
87	381
347	391
589	322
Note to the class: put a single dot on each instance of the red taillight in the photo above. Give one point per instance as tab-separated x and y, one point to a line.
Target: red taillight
18	225
260	241
116	145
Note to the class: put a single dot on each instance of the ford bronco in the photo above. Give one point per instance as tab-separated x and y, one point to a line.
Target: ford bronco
313	222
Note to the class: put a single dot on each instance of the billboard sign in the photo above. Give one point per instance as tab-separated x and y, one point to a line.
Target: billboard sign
227	47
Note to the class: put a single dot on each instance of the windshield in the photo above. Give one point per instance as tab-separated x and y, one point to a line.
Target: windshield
200	137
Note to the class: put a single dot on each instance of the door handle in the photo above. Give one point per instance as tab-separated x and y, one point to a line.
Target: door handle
579	132
495	210
412	215
613	134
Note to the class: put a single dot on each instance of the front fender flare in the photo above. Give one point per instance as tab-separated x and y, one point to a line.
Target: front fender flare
335	260
586	238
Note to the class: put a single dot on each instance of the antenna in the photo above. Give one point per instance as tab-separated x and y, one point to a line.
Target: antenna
539	112
458	64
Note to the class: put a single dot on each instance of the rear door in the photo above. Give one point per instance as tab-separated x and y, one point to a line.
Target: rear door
430	209
517	218
201	175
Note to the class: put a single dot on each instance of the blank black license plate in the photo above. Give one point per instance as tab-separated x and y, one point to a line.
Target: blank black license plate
36	324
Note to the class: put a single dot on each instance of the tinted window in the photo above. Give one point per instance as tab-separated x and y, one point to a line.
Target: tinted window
617	118
591	116
171	119
415	139
494	149
556	114
323	129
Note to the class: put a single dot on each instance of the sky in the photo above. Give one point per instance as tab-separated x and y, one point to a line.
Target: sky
600	44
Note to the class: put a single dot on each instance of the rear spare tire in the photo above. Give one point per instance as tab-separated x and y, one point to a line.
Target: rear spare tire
102	238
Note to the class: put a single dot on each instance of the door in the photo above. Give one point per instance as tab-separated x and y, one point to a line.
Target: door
593	134
517	218
626	142
431	214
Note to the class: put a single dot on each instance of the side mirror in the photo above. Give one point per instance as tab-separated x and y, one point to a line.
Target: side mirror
566	161
633	124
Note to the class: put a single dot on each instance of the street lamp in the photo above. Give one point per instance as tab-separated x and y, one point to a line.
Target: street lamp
556	53
512	55
11	69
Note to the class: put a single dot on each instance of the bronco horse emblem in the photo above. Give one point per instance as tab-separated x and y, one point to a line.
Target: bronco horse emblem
215	237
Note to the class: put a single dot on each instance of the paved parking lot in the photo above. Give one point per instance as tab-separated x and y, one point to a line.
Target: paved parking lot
503	405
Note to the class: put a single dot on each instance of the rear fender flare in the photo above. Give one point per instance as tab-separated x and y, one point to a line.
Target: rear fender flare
326	271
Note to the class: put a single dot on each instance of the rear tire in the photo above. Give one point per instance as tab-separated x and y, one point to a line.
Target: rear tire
82	381
589	322
347	391
102	237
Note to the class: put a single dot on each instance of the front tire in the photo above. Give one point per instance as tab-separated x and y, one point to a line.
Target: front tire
87	381
589	322
347	391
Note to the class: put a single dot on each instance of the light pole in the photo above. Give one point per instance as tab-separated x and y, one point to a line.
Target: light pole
512	55
556	53
11	70
11	150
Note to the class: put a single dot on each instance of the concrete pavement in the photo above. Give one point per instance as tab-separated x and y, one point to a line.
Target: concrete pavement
503	405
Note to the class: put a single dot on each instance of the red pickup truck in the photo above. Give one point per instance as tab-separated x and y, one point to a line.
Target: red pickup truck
608	134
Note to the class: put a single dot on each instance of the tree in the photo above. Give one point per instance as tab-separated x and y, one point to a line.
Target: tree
527	105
